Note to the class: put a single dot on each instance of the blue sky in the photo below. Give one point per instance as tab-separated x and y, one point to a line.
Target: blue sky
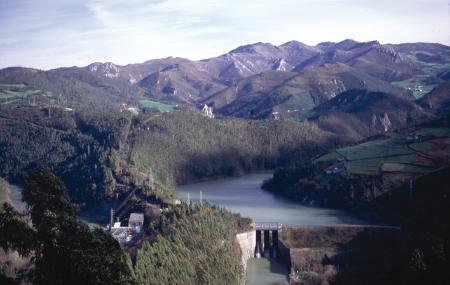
53	33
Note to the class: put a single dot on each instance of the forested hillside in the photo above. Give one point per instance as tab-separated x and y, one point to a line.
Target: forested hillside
80	152
97	152
184	147
200	248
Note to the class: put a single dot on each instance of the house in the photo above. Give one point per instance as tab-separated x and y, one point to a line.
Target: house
136	222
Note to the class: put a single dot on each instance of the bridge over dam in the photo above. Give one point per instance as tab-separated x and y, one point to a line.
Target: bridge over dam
267	239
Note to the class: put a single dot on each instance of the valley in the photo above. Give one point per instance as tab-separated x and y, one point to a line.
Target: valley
337	134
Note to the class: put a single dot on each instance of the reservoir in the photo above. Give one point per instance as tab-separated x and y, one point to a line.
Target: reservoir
244	195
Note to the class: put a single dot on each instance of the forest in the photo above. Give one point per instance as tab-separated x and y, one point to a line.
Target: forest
188	244
98	153
195	245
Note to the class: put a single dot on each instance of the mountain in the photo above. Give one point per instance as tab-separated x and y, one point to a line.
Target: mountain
290	94
381	61
362	113
184	82
262	80
253	81
429	53
69	87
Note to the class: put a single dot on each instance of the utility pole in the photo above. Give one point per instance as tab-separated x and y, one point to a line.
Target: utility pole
111	219
188	199
201	198
151	179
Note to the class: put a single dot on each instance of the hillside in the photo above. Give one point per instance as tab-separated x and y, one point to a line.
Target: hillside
79	149
361	113
438	100
355	177
185	147
98	153
66	87
380	61
292	95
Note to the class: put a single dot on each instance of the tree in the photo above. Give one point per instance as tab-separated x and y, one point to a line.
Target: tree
65	250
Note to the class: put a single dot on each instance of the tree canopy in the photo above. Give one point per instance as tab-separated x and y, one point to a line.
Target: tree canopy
64	250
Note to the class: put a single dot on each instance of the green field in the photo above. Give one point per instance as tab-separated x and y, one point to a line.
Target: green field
420	84
394	154
156	105
9	94
434	131
7	85
417	85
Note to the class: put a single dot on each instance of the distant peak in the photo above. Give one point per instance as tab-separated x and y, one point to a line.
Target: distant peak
346	44
325	44
348	41
108	69
295	44
251	48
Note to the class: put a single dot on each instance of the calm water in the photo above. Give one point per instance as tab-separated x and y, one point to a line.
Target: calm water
244	195
264	271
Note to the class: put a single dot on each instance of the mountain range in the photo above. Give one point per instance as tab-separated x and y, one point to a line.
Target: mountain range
256	81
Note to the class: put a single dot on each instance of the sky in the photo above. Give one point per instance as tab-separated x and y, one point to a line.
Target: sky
47	34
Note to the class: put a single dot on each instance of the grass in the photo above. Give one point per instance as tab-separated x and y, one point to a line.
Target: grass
407	168
331	156
417	85
12	93
8	94
374	149
422	147
156	105
366	166
434	131
8	85
393	155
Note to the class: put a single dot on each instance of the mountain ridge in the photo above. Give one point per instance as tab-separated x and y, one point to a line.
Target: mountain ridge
287	80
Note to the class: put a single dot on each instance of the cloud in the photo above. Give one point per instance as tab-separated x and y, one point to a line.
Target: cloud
51	33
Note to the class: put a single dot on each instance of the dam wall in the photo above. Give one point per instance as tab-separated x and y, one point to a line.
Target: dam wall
247	244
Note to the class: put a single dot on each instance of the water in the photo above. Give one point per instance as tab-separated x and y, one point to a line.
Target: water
266	271
244	195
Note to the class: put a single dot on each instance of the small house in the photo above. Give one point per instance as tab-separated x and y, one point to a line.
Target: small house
136	222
